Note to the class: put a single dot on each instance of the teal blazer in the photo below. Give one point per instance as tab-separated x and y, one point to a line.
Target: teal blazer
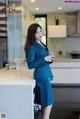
36	59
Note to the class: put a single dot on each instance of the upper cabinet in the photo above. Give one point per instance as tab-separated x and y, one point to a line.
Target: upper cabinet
56	31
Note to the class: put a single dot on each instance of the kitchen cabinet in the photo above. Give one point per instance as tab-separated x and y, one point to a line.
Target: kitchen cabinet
67	96
60	72
75	75
17	99
56	31
60	75
74	72
66	72
74	95
60	96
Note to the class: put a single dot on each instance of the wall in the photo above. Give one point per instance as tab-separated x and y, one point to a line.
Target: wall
25	13
72	44
26	16
61	44
16	40
56	44
51	18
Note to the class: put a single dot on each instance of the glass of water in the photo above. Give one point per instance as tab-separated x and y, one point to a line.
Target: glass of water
53	55
19	63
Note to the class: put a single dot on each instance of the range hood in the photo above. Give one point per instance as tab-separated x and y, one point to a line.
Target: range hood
77	34
78	22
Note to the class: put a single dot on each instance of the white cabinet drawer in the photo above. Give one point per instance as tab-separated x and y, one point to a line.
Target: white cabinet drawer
66	64
75	64
60	75
60	64
74	76
66	72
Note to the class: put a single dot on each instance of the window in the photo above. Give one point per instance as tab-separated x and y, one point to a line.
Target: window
42	20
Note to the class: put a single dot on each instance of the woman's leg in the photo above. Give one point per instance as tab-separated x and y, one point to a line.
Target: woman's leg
46	111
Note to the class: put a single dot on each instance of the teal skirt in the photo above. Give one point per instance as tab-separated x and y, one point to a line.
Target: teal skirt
43	92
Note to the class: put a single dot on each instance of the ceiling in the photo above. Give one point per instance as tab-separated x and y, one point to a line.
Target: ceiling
51	6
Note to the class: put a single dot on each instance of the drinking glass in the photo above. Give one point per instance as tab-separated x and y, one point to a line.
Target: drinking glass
19	63
53	55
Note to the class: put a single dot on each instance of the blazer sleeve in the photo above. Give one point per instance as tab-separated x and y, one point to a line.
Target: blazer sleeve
32	61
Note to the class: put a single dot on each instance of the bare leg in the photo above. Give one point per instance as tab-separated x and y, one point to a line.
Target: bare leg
46	111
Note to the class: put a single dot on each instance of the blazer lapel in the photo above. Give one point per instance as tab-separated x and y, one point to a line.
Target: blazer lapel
41	47
38	45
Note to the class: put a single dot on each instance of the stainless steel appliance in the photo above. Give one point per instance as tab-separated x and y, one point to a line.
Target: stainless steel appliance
75	55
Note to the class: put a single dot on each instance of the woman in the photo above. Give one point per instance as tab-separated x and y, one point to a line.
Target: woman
38	57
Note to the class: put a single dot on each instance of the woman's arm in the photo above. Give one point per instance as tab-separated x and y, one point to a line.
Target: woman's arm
32	62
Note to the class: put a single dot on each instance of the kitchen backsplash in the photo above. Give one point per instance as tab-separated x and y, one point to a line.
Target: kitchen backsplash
65	45
73	44
56	45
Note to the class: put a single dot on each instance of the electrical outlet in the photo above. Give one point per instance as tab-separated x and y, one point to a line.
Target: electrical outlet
3	116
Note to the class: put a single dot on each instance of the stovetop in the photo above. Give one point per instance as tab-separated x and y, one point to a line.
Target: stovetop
75	55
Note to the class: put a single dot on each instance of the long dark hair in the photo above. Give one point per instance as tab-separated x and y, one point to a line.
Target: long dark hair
31	35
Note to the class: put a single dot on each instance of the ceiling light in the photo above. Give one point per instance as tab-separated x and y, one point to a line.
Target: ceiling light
32	0
59	8
37	8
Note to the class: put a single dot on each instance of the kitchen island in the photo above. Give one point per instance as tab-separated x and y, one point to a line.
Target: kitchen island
66	70
66	87
16	94
66	81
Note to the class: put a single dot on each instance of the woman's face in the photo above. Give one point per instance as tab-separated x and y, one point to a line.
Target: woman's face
38	34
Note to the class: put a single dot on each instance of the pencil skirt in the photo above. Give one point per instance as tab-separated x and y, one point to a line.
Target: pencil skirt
43	92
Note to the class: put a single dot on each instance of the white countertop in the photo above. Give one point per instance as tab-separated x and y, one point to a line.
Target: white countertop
11	77
67	65
66	59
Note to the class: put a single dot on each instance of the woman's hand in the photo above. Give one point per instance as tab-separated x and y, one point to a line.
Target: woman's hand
49	58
